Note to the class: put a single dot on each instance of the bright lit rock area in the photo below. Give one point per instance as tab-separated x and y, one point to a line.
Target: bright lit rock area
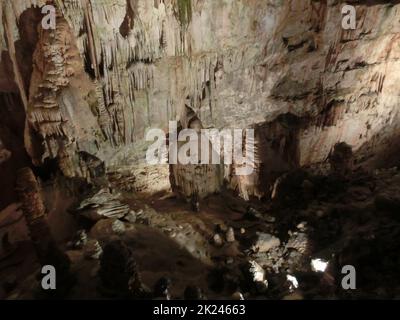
77	193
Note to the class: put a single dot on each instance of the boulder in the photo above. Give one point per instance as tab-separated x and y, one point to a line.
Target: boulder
265	242
106	228
230	235
298	241
92	250
217	239
258	276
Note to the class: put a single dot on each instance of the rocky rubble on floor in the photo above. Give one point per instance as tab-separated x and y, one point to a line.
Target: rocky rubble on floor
217	239
258	276
265	242
92	249
348	216
131	217
253	214
350	219
298	241
277	256
106	228
230	235
182	232
79	240
293	248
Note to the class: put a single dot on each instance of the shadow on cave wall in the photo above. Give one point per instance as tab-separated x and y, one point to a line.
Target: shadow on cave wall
12	124
12	112
379	152
278	148
25	47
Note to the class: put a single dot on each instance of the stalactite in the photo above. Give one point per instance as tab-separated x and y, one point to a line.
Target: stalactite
3	43
9	28
44	110
184	11
104	117
144	61
91	41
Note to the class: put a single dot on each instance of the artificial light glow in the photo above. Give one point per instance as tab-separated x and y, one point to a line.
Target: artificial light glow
293	281
319	265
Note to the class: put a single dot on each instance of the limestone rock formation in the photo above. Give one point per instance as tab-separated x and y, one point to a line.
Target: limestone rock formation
102	205
111	70
46	248
77	102
118	272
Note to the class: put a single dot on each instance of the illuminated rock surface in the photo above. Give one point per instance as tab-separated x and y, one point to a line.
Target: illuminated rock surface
77	101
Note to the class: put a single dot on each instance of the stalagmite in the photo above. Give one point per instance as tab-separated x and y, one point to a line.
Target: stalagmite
46	248
313	106
119	273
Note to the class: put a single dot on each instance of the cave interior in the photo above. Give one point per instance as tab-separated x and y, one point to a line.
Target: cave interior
320	103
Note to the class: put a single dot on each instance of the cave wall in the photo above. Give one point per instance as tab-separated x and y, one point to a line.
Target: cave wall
344	82
114	68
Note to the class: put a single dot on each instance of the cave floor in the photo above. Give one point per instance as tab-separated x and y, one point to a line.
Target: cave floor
269	254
